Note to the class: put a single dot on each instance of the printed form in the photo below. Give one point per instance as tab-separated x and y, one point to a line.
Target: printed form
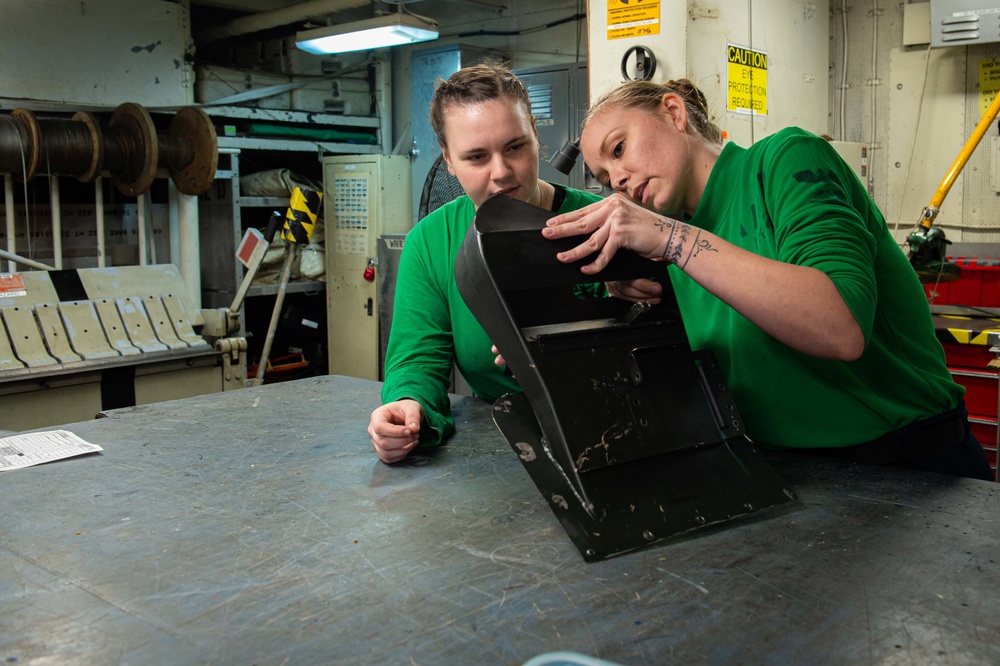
35	448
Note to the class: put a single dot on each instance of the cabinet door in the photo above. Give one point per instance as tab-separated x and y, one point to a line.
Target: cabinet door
558	96
366	196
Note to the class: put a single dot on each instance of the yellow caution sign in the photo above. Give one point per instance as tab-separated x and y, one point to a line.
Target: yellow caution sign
300	220
633	18
989	82
747	89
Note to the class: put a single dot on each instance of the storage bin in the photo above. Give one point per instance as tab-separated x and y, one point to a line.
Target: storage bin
979	285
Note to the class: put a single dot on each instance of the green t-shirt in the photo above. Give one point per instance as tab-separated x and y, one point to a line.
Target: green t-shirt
432	326
790	197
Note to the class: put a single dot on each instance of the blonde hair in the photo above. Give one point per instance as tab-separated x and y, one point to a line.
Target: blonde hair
646	96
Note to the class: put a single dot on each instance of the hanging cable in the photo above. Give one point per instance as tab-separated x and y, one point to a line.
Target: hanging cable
874	97
24	182
913	147
526	31
750	32
843	72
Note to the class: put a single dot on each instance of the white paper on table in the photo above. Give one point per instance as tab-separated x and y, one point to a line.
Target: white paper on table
35	448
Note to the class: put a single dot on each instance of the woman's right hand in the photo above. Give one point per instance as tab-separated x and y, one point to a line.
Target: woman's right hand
614	223
395	429
638	290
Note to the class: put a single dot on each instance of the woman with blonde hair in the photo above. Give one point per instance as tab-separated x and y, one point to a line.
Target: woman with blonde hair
784	267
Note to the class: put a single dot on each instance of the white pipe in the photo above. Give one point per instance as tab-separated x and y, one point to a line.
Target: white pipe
56	205
8	192
4	254
272	19
153	259
99	219
173	225
383	100
190	264
140	209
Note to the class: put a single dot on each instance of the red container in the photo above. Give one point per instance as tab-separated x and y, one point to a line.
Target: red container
987	436
979	285
980	392
973	357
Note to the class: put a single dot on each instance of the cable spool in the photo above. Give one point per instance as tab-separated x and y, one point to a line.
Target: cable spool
57	147
190	151
131	152
128	148
20	144
93	168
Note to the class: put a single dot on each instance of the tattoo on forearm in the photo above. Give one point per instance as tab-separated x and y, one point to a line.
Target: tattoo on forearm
673	227
680	241
697	247
678	249
679	233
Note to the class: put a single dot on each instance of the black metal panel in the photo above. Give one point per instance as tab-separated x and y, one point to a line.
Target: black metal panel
629	434
68	285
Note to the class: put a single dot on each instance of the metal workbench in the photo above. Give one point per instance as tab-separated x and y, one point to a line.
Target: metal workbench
258	527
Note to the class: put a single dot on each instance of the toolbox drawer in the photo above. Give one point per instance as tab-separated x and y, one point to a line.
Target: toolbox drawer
981	391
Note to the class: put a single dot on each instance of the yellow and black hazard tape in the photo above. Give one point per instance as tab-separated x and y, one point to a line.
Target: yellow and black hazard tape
300	220
982	332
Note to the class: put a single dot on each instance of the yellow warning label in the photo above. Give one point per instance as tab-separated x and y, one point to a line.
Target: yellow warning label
633	18
989	83
301	216
747	88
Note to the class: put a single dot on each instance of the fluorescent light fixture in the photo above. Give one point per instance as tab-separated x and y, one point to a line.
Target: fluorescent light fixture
376	33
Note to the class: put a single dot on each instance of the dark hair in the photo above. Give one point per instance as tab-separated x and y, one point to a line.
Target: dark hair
646	95
474	85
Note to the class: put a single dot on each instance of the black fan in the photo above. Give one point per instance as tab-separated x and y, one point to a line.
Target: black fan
439	188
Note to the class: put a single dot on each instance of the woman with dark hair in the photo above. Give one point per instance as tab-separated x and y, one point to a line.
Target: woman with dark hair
484	125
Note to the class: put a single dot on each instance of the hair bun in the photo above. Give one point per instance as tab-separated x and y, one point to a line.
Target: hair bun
690	92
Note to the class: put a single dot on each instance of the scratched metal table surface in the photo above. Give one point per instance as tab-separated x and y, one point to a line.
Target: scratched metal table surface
257	527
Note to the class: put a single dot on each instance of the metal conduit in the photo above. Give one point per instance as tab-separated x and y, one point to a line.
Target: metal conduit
277	17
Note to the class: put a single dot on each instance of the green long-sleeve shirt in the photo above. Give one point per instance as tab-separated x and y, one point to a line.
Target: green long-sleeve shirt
791	198
432	326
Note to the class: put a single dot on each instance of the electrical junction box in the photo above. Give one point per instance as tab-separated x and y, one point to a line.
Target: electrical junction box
856	156
916	23
961	22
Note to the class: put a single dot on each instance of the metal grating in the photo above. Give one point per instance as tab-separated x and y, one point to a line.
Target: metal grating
540	96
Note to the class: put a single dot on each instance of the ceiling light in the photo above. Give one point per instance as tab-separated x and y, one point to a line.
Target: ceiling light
376	33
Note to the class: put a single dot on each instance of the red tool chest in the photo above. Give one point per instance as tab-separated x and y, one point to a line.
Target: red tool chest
967	345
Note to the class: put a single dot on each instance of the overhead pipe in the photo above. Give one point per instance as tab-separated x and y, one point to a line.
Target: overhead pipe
277	17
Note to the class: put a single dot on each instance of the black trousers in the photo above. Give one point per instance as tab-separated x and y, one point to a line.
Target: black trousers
942	443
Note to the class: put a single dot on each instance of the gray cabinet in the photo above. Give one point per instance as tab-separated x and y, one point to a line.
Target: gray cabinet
559	103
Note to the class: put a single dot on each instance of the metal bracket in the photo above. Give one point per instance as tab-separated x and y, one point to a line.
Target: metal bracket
630	435
234	362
